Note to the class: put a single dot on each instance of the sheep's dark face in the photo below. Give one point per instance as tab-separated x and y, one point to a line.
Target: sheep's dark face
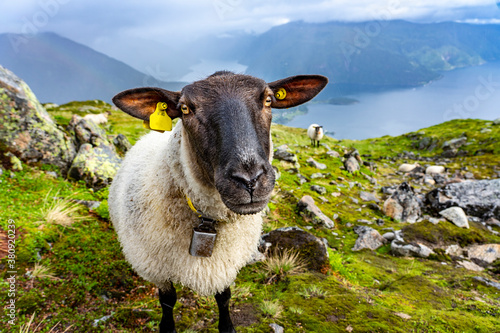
227	119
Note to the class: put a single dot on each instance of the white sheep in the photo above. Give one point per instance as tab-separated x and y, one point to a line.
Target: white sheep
99	119
435	169
218	156
315	133
407	167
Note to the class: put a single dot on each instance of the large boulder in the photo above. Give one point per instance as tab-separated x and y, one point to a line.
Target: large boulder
310	248
403	205
26	129
477	198
369	238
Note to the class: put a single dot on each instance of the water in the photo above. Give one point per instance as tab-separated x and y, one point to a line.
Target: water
472	92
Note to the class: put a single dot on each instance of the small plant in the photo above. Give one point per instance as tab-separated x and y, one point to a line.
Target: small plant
42	272
271	309
313	291
26	328
296	310
60	211
281	263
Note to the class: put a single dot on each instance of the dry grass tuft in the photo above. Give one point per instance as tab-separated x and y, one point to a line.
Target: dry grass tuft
60	211
279	264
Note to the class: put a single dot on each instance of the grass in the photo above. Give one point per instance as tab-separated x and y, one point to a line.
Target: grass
77	272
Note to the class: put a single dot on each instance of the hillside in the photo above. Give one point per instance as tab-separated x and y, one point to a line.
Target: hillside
73	276
60	70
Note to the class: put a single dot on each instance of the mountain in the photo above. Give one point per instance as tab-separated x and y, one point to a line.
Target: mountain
59	70
367	55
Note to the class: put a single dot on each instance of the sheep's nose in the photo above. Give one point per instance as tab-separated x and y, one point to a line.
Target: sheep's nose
248	179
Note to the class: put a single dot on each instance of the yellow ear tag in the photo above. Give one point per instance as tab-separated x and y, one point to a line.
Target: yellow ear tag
160	120
280	94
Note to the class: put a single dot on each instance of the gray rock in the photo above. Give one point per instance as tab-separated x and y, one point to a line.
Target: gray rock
318	189
491	221
351	164
468	265
390	236
27	130
52	174
121	143
477	198
487	281
400	248
310	248
454	143
97	166
317	175
87	131
333	153
310	211
302	179
456	215
276	328
369	238
487	253
367	196
364	221
316	164
403	205
283	153
496	121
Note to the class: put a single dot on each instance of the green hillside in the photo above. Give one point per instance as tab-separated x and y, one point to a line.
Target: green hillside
72	276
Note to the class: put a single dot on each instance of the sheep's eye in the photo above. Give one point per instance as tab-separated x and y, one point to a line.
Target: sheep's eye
268	101
185	109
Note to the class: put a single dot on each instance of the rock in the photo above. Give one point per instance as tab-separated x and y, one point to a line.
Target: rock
310	211
496	121
369	238
405	167
402	315
429	180
367	196
276	328
121	143
390	236
470	266
96	166
454	250
317	175
318	189
315	164
487	253
476	198
403	205
52	174
400	248
26	129
351	164
364	221
284	153
333	153
486	281
101	320
454	143
389	189
87	131
302	179
491	221
435	169
456	215
310	248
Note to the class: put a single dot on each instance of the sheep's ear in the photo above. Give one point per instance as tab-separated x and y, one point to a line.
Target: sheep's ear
141	102
296	90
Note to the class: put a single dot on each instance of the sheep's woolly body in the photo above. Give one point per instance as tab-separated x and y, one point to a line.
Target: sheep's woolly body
154	223
313	135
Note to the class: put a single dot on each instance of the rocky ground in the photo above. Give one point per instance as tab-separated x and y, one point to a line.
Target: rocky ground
392	234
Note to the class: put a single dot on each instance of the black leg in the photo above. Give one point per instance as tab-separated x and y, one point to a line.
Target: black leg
167	301
225	324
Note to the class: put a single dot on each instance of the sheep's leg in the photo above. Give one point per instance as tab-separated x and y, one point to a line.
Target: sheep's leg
225	323
168	298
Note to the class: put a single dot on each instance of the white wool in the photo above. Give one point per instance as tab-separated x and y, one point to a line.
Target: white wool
99	119
435	169
149	211
406	167
311	132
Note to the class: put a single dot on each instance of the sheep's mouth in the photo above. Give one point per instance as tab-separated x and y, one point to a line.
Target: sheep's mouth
246	208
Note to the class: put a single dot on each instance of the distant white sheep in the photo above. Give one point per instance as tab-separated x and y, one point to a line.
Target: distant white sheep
435	169
406	167
216	162
315	133
99	119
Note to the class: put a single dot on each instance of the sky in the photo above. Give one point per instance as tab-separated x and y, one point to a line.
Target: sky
117	28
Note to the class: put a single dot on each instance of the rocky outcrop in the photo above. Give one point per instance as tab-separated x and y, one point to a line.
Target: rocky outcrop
310	248
477	198
26	129
403	205
97	160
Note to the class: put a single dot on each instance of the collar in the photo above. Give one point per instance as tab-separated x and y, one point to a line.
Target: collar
198	212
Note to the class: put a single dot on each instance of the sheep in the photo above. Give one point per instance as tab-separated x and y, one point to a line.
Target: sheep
435	169
406	167
315	133
213	169
99	119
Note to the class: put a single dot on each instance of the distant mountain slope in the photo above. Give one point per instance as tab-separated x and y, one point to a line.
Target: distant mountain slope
59	70
368	55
